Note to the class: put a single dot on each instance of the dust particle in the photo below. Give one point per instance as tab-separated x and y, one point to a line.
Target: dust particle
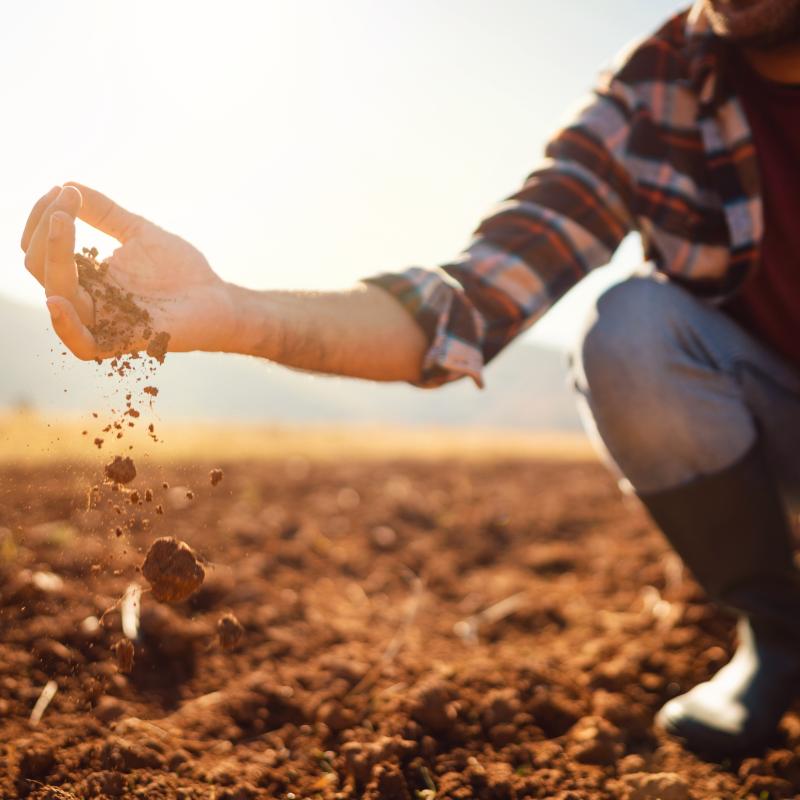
215	476
172	570
151	390
93	498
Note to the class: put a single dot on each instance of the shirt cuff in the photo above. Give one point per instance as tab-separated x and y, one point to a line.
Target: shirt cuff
450	322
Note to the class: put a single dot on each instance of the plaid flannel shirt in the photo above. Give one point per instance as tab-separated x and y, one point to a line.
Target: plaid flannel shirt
661	147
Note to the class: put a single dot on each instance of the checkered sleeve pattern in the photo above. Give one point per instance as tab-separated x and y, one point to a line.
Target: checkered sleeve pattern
568	217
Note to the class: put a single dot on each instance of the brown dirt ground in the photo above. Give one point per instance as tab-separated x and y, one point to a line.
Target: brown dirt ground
375	660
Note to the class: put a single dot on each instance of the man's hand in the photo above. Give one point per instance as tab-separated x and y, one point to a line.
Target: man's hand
361	332
166	275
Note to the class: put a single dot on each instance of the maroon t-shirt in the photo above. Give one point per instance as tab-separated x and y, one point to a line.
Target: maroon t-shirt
768	304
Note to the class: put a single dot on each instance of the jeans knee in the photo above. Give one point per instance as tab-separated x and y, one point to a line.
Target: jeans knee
624	340
654	388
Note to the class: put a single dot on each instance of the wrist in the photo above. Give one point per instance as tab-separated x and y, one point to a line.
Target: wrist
253	326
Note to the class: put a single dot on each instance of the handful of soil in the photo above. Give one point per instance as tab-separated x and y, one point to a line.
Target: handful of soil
120	470
172	570
119	319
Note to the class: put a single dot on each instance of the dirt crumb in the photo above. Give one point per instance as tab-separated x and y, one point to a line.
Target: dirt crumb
229	630
121	469
124	652
657	786
172	569
157	346
215	476
151	390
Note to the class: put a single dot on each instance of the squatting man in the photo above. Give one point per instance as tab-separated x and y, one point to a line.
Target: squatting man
688	373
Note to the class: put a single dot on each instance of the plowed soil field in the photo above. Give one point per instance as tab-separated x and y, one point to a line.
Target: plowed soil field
410	629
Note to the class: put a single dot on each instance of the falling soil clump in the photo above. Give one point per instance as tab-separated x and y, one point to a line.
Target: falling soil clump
121	469
172	569
229	631
123	651
215	476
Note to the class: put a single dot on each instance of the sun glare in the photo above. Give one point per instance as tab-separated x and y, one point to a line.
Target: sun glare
298	145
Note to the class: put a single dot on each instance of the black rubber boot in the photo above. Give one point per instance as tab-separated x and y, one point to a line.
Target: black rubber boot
732	531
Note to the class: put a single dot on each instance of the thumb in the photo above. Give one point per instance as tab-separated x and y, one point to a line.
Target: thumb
60	272
67	324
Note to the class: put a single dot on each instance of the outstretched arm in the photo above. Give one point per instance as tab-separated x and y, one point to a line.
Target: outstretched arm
360	333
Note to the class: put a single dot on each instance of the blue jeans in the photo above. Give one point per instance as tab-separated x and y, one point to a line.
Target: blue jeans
673	389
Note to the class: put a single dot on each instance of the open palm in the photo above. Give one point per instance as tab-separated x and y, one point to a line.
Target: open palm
167	276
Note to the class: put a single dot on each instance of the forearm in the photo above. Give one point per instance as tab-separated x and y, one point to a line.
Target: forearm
362	332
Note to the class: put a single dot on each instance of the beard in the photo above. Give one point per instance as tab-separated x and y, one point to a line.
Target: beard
761	24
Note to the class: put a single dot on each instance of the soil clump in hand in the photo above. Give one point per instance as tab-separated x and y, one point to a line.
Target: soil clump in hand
119	320
172	569
121	469
229	631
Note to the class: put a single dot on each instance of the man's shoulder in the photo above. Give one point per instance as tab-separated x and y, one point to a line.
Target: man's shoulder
663	56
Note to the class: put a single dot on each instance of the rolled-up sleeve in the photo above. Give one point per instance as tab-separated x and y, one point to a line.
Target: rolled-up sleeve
449	319
568	218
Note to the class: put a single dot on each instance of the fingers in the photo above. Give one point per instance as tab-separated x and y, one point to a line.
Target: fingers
103	213
60	272
70	329
69	201
61	286
36	214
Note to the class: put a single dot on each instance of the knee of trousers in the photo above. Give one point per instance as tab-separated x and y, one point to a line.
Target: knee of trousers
622	364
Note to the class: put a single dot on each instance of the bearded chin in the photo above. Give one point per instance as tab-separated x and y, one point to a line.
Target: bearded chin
768	25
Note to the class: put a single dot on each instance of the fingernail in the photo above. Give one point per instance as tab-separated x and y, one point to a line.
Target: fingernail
55	311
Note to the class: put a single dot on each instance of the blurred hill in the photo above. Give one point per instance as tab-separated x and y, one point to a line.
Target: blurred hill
526	387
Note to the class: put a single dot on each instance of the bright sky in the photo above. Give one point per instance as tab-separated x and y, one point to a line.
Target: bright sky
299	144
